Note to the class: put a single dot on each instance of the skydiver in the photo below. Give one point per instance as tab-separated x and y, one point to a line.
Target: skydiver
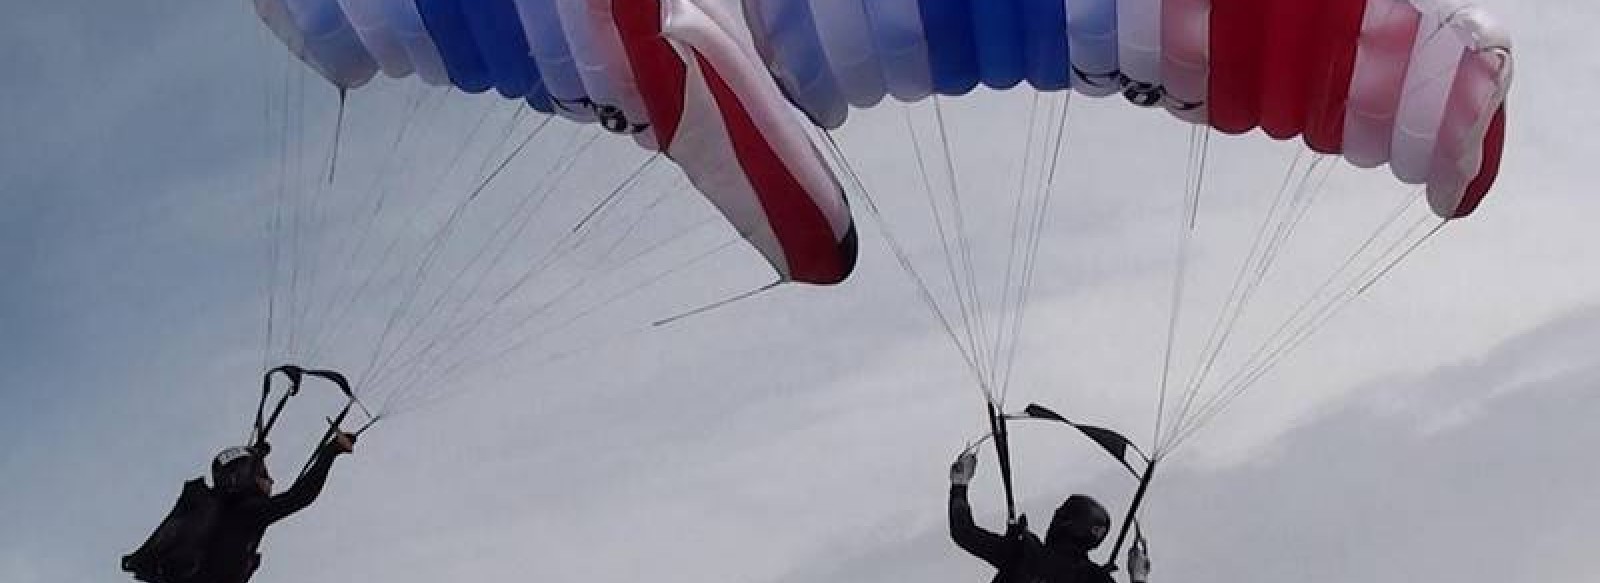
240	508
1078	526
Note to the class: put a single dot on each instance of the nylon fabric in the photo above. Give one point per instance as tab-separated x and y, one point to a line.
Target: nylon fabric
1335	62
495	27
952	56
448	26
739	61
372	27
845	37
998	42
769	180
734	136
1377	81
1410	83
1139	40
1434	60
1388	30
331	40
403	17
902	48
1092	42
1237	41
1049	64
1292	28
547	43
794	54
1186	55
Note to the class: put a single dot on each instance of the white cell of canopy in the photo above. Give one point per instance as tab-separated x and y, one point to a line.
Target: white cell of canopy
847	42
579	30
372	27
1425	87
332	40
1383	55
1139	39
547	40
1478	92
1458	49
1093	46
612	57
1186	54
580	40
1434	60
282	25
318	33
792	55
901	46
409	30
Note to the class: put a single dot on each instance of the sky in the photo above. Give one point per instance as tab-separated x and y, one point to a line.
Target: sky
1436	430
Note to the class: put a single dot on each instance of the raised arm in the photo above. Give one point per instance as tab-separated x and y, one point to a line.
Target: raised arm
309	485
967	534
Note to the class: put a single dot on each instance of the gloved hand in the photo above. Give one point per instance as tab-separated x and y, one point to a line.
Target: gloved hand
1017	529
1138	563
343	442
961	471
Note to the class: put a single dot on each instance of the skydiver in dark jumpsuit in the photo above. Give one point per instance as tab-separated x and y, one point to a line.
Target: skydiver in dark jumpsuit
248	508
243	507
1078	526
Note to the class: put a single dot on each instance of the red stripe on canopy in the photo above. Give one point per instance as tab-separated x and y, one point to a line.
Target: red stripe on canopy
1493	147
808	241
659	71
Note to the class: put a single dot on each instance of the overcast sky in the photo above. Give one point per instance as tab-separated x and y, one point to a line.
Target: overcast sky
1440	429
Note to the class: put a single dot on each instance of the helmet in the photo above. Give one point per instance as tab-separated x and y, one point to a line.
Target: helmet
238	469
1080	522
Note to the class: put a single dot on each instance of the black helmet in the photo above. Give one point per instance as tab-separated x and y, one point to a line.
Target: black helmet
1081	522
237	469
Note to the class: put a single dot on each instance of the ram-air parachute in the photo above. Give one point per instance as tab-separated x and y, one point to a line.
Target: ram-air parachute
1415	84
692	91
753	99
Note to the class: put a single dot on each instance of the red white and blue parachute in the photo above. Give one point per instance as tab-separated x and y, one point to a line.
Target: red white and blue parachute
725	88
1415	84
688	85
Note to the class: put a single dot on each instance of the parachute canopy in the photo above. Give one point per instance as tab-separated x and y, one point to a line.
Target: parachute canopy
1415	84
687	85
719	86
